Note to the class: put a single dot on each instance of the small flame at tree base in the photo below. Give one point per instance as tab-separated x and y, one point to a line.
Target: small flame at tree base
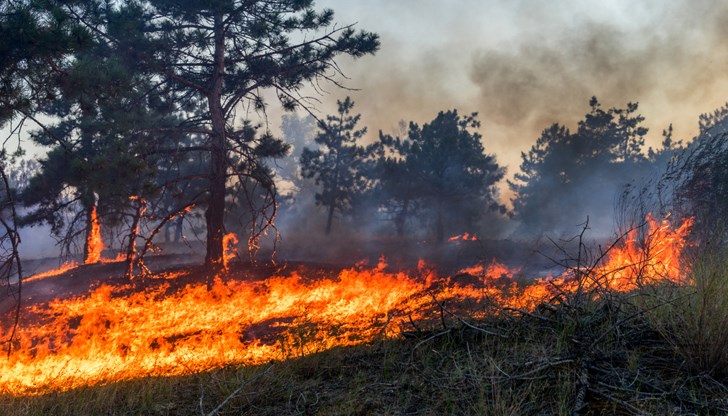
230	248
94	243
110	335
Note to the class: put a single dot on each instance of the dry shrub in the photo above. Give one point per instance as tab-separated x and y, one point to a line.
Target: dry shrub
694	318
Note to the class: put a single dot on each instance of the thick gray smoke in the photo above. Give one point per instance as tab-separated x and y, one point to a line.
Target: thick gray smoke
525	64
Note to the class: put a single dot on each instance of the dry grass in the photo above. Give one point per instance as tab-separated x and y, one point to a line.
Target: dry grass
694	318
564	361
659	350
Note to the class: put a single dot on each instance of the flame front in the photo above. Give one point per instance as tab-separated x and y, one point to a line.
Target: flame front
111	335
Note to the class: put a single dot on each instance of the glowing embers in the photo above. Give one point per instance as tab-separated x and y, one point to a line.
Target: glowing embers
230	247
463	237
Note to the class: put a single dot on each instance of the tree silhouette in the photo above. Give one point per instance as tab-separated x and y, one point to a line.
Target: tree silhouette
441	167
702	176
562	167
223	54
339	165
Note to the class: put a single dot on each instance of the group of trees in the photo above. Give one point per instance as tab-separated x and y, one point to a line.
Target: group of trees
437	173
700	177
144	109
139	105
567	175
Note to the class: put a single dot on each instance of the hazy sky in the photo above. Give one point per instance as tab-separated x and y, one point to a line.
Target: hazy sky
523	65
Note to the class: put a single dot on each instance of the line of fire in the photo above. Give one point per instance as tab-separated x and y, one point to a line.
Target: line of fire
191	198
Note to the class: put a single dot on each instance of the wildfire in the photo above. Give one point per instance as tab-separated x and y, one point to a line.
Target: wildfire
171	329
94	243
54	272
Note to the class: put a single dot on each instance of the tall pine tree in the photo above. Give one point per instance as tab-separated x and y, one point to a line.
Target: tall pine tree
223	54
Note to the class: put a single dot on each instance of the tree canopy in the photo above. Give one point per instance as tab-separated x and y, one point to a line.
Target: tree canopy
443	167
222	55
339	166
207	62
560	173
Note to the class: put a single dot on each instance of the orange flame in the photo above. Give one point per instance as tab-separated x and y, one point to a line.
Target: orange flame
173	329
94	243
229	244
50	273
464	237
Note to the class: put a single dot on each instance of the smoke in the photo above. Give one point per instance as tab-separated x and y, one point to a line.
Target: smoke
524	65
550	81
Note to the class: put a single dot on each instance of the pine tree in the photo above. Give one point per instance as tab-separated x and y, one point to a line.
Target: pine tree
562	167
222	54
443	166
339	165
100	154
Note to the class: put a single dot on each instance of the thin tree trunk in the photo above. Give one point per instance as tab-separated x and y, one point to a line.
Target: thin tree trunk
178	228
330	219
215	214
131	248
335	187
87	233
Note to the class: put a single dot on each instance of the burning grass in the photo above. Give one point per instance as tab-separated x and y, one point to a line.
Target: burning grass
369	339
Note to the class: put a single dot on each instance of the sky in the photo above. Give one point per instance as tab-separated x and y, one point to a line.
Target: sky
525	64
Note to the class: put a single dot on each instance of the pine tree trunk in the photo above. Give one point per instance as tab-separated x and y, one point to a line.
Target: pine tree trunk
131	248
335	188
330	219
87	233
215	214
